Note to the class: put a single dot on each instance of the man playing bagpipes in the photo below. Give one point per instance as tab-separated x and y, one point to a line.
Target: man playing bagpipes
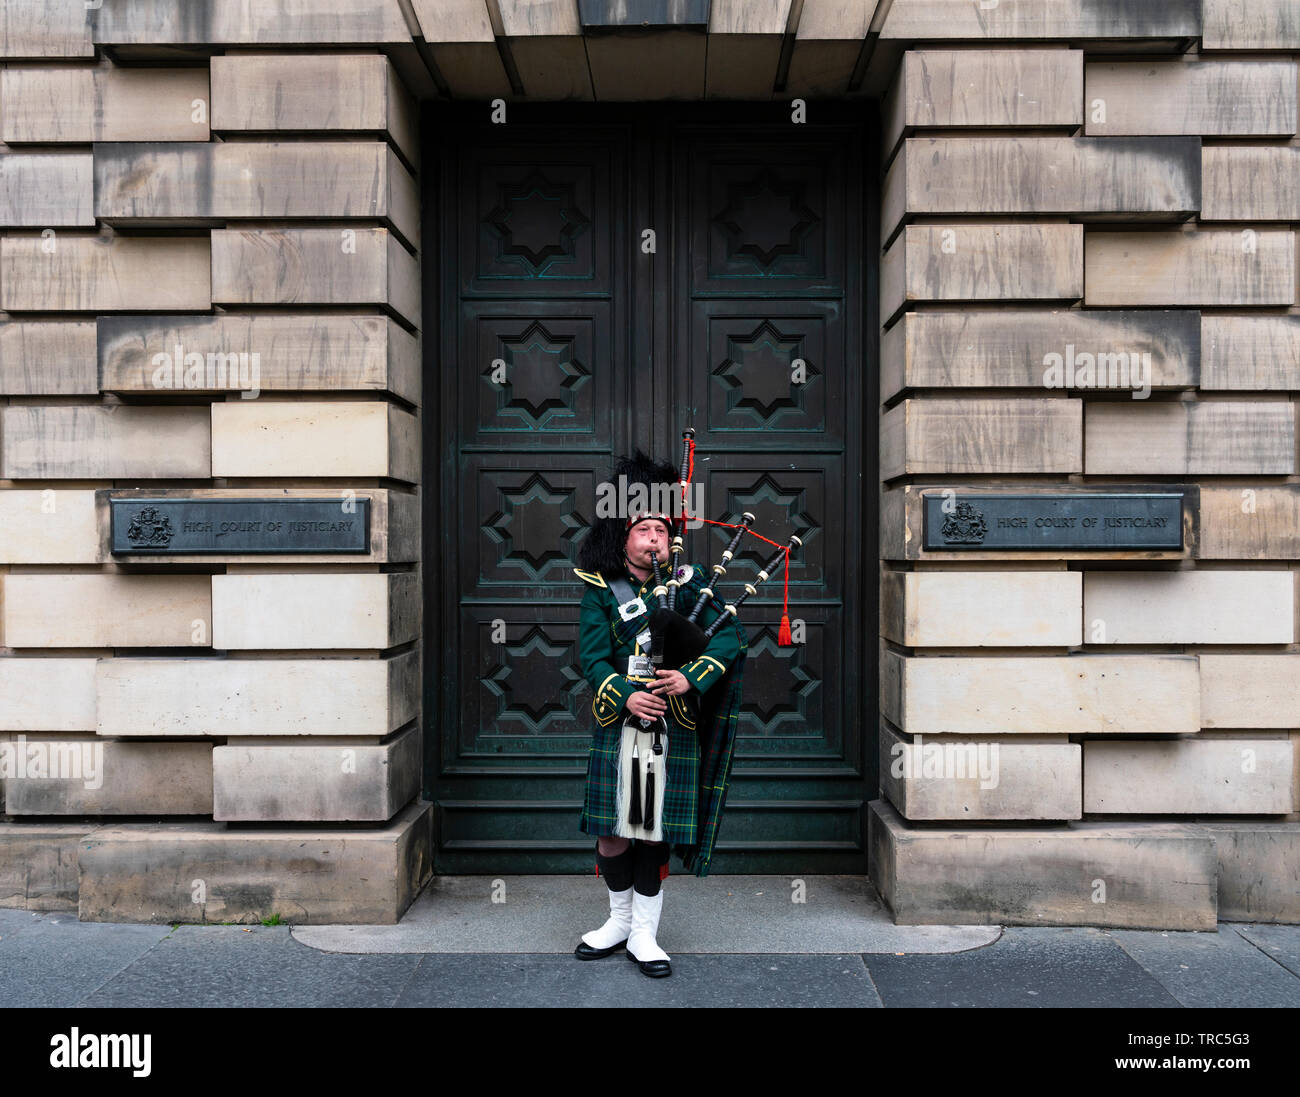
665	665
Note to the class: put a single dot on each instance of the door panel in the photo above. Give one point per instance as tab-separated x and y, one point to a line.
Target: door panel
555	324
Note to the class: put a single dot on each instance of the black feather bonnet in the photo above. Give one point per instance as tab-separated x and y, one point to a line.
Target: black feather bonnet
602	547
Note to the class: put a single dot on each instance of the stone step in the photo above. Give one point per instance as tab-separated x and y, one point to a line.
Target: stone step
38	864
211	873
1132	875
1259	871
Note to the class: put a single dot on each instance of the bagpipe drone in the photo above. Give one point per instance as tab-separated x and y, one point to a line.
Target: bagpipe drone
677	638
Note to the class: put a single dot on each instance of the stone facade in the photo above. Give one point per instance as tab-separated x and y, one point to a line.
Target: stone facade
241	182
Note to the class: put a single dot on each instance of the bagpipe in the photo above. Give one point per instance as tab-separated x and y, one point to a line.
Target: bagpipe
676	638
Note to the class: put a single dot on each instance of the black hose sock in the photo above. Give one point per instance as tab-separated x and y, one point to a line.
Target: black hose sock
651	866
618	870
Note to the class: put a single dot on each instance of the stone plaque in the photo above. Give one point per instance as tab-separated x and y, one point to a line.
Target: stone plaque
237	527
1141	521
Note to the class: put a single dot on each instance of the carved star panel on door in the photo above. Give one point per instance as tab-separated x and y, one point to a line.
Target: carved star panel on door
538	378
542	223
527	692
771	223
767	371
521	524
788	690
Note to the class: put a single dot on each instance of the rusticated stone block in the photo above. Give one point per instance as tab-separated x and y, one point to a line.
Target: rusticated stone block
58	104
1254	25
1151	875
315	267
75	273
93	776
1189	607
243	697
1250	183
1050	695
946	89
982	608
1014	348
240	180
1116	178
237	22
1250	523
993	436
971	779
260	438
47	694
982	263
1255	438
1211	267
354	782
267	611
1041	19
1250	352
46	190
1241	775
1250	691
273	353
104	443
107	610
49	527
40	29
1238	98
54	357
527	18
146	872
347	93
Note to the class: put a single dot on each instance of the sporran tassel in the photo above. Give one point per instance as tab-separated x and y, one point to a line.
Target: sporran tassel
634	812
649	794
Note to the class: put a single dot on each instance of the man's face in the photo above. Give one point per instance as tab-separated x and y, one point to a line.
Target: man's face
646	537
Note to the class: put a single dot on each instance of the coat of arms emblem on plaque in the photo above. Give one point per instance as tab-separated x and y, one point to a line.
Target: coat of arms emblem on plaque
964	526
149	529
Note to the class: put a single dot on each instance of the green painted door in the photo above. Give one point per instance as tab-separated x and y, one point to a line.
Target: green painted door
559	339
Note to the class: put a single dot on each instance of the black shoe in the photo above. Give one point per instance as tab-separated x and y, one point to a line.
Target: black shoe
585	952
656	969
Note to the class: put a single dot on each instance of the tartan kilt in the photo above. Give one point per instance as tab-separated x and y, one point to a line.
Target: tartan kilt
598	813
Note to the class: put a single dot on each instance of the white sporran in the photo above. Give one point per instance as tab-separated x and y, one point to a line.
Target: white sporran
642	740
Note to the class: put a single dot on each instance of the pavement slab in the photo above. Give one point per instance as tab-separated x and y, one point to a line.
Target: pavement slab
1028	967
716	981
719	914
1213	970
1281	943
55	960
249	966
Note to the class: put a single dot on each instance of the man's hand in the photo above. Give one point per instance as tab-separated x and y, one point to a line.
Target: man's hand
672	683
646	706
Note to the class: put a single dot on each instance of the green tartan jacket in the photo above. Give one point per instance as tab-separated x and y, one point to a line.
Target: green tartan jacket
605	641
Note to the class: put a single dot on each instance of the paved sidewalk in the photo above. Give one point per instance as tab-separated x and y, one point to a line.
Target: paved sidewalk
733	943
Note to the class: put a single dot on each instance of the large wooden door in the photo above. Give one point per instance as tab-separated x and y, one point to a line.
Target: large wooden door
567	335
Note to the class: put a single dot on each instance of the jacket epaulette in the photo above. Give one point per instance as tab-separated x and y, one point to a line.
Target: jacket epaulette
592	577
